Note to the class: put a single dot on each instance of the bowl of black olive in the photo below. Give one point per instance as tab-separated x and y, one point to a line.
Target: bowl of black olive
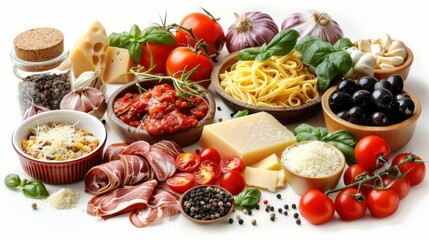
369	106
206	204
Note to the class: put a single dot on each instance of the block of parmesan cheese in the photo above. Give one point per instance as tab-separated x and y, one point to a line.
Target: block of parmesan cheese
271	162
252	137
90	51
118	63
281	178
261	178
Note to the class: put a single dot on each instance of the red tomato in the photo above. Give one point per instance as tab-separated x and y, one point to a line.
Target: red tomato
349	205
210	154
182	59
233	181
232	163
159	55
180	182
187	162
372	152
354	173
401	186
204	27
382	203
416	167
316	207
207	172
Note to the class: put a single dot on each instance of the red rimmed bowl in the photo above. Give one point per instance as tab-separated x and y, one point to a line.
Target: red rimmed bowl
60	171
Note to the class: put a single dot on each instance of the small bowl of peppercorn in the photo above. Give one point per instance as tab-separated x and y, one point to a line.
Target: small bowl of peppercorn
206	204
369	106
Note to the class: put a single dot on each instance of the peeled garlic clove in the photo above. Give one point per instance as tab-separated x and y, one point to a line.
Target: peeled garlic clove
394	61
386	66
366	64
376	49
85	99
364	45
400	52
399	46
384	40
91	79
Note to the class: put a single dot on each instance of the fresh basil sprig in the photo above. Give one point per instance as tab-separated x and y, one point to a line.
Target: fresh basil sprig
282	43
134	39
343	140
248	198
31	188
329	61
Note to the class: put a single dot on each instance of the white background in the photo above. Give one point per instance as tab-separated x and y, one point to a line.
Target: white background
405	20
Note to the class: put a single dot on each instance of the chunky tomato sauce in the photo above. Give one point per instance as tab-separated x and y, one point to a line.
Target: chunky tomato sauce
160	111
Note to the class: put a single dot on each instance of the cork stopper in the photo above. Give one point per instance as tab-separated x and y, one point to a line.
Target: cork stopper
39	44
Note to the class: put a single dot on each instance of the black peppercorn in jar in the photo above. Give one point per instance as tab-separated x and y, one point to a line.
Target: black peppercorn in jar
43	68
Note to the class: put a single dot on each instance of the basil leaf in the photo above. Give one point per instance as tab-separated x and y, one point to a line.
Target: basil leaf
325	72
248	54
120	40
305	136
349	152
248	198
135	33
318	132
34	189
342	61
135	50
316	53
12	180
280	45
305	42
343	44
158	35
342	136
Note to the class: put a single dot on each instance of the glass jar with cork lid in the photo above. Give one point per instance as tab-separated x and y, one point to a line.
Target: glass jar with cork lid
43	68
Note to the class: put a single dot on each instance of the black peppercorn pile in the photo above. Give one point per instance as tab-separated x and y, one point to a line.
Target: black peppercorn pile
207	203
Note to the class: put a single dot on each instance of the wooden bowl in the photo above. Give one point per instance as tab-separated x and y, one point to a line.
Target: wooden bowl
284	115
397	135
402	70
183	200
131	134
301	183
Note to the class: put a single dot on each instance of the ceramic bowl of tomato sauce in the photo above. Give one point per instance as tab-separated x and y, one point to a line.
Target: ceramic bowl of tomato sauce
152	111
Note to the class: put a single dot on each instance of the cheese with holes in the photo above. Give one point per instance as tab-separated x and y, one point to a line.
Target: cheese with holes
261	178
281	178
118	63
271	162
252	137
90	51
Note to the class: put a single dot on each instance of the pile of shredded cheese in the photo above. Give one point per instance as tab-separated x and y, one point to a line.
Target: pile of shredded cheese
312	159
65	198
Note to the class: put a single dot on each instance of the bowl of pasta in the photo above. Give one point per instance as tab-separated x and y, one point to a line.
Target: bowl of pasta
281	86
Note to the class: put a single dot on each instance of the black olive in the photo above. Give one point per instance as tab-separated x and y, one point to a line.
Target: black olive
383	84
356	115
343	115
347	85
382	100
362	98
404	108
378	119
339	101
401	96
367	83
397	83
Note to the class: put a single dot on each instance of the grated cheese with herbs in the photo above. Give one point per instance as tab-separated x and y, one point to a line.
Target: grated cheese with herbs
312	159
65	198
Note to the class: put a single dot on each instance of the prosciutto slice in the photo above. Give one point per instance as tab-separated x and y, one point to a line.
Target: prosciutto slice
162	158
161	205
121	200
113	151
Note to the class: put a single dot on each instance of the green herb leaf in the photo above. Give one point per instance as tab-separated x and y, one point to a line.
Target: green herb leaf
135	33
326	71
12	180
349	152
316	53
158	35
248	54
34	189
240	113
305	42
135	50
248	198
317	132
342	136
342	61
343	44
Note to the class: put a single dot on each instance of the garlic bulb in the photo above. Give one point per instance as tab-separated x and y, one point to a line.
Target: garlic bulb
33	110
85	99
91	79
363	63
250	30
314	23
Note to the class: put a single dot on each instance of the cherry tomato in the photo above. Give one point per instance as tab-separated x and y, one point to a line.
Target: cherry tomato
372	152
350	205
207	172
401	186
180	182
210	154
232	163
187	162
356	172
416	167
316	207
204	27
233	181
382	203
159	55
182	59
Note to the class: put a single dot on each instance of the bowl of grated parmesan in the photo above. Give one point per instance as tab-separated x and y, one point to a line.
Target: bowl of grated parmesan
59	146
312	165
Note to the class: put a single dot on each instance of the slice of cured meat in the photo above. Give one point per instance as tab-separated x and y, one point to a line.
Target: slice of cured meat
121	200
161	205
162	158
113	150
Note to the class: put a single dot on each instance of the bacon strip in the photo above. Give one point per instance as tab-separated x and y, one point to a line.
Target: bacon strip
121	200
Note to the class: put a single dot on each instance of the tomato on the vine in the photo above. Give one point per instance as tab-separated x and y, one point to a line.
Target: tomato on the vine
210	154
187	162
356	172
232	163
382	202
158	53
180	182
207	172
350	205
233	181
372	152
416	167
316	207
183	59
204	27
401	185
